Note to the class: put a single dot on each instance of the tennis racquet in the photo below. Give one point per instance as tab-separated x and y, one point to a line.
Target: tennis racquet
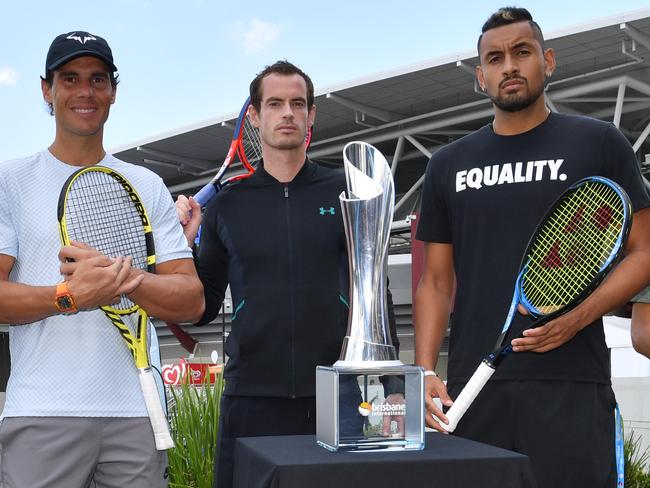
247	146
573	248
99	207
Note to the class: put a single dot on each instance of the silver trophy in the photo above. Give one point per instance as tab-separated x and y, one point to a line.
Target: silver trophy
368	399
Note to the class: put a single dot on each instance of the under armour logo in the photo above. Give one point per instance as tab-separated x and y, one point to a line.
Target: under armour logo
323	210
81	39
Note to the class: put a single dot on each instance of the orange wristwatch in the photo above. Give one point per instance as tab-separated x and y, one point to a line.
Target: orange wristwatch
64	301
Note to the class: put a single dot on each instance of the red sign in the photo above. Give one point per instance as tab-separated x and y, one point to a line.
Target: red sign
199	371
175	374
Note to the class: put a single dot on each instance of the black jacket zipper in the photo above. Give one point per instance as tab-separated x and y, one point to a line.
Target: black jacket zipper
291	292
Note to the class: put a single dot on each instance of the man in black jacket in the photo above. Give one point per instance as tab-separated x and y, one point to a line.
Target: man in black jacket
278	239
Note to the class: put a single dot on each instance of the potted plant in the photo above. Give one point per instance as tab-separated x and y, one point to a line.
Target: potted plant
194	419
637	474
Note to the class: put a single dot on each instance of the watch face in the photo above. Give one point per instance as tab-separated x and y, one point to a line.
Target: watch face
64	303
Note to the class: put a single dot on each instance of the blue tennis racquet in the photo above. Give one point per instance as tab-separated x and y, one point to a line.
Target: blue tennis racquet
572	250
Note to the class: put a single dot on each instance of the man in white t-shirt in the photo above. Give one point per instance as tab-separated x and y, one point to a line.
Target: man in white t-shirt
74	415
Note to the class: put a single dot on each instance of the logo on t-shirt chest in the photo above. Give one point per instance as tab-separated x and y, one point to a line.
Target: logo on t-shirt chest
509	173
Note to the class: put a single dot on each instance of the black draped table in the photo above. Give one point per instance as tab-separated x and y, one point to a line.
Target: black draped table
446	461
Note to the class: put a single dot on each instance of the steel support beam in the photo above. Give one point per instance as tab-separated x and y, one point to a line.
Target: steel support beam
618	111
627	108
399	149
603	99
419	146
383	115
181	168
411	191
549	103
195	163
638	36
401	122
386	136
641	139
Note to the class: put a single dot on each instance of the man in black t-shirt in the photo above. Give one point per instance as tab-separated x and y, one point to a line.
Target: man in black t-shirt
483	197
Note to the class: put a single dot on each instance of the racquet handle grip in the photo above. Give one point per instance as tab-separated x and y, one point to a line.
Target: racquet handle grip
205	194
473	387
161	434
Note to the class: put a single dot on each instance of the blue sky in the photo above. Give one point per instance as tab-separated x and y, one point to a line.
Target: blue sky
183	61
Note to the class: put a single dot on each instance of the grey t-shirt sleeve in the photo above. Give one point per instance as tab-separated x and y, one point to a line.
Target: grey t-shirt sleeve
8	237
168	233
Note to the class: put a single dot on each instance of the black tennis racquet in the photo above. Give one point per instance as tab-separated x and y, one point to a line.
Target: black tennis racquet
573	248
99	207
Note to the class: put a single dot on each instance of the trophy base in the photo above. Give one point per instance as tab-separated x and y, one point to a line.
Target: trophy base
370	409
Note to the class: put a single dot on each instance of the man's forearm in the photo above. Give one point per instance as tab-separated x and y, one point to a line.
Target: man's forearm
171	297
630	276
24	304
431	319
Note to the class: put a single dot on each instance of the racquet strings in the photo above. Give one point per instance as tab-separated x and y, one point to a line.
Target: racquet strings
250	150
100	213
574	245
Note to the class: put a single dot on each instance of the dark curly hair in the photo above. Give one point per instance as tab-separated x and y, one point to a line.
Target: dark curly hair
507	16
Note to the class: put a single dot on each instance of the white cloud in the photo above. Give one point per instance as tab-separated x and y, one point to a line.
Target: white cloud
256	35
8	76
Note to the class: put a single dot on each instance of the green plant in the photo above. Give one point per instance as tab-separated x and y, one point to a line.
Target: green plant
194	413
636	463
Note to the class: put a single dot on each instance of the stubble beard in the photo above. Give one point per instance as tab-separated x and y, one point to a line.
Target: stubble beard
516	103
284	144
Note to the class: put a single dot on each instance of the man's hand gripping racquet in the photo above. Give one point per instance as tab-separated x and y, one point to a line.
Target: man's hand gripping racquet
573	248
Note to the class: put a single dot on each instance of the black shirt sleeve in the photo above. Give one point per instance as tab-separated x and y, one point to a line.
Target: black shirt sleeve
212	265
434	224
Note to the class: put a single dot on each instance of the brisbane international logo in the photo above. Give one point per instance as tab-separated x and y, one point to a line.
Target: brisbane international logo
365	408
392	409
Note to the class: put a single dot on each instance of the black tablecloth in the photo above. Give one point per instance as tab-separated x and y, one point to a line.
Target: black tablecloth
446	461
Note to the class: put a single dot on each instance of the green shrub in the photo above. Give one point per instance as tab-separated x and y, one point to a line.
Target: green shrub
636	463
194	414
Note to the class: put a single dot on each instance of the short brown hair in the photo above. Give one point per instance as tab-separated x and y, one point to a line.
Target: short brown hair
282	67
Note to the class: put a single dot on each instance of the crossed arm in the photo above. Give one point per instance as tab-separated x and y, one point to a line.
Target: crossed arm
174	293
629	277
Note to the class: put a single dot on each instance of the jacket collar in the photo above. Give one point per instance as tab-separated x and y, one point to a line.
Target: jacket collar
307	171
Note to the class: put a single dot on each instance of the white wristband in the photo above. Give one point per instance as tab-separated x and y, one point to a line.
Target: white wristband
430	373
